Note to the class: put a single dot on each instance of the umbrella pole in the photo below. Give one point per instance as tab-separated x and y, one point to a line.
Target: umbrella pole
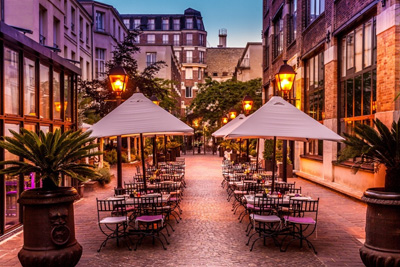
258	151
240	150
273	166
247	150
284	160
119	162
165	147
154	150
143	163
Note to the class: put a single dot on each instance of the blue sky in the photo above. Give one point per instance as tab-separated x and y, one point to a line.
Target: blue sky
242	18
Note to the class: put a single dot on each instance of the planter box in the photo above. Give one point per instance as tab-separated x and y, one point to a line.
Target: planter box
289	170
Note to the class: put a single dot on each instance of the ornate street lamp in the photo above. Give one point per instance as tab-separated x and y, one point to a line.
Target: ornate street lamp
155	100
247	103
118	78
232	113
225	120
285	78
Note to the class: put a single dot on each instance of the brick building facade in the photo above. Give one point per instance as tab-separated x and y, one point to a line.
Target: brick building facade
345	54
186	33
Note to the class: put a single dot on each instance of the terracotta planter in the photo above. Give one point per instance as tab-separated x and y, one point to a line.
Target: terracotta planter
382	241
49	228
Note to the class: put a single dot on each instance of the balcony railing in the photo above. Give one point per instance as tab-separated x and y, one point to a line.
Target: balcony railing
177	43
189	60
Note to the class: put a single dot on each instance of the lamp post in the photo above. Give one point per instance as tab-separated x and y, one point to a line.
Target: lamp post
118	79
225	120
247	104
155	100
284	79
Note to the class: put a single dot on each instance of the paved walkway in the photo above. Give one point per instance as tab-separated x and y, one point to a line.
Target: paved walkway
211	235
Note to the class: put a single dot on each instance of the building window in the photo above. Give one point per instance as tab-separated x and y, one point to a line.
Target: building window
199	73
29	87
189	56
189	23
178	56
56	32
165	39
266	49
68	98
127	23
315	91
199	24
151	58
188	73
292	21
189	39
315	8
358	76
44	92
177	24
87	33
201	39
151	39
176	39
136	23
42	25
278	36
165	24
100	63
73	19
11	81
100	21
189	92
56	96
151	24
137	39
201	57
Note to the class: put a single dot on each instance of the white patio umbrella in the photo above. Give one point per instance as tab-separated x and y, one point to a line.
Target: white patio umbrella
139	116
227	128
280	119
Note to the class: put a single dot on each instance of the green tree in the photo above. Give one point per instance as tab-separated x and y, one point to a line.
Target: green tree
96	94
214	99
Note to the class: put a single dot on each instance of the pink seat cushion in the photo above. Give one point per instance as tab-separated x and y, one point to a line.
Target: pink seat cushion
150	218
300	220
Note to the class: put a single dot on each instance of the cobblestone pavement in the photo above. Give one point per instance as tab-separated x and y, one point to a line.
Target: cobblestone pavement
210	235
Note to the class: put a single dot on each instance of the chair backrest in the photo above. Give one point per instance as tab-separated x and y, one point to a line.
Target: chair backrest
137	169
113	207
253	188
162	187
264	205
148	205
302	208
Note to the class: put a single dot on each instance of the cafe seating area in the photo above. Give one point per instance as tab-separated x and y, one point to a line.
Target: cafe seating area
274	209
145	209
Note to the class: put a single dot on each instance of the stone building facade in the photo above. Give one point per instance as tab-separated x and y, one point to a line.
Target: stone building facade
345	54
186	33
249	65
221	62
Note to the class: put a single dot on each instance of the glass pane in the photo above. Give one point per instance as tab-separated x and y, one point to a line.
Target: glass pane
349	98
357	95
67	97
56	95
350	51
343	63
374	40
12	185
29	179
45	128
316	69
374	107
359	48
44	92
321	70
11	82
311	71
367	93
342	100
367	44
29	87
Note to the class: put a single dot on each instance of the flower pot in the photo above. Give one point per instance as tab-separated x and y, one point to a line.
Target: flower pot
49	228
382	229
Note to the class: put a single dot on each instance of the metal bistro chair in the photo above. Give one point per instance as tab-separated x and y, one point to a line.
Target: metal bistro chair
150	222
303	222
264	219
114	224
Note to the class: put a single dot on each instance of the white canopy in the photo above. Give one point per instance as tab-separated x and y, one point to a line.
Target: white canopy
139	115
282	120
227	128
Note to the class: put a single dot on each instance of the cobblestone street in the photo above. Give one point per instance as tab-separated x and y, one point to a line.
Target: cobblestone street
210	235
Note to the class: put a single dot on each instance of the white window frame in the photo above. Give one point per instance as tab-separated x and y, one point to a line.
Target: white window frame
100	21
165	39
151	58
151	24
189	92
151	40
189	56
189	73
100	62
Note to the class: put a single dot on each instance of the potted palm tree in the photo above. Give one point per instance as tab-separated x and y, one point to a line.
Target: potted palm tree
379	146
49	227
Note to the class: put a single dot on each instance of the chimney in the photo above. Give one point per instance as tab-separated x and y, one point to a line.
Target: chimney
222	37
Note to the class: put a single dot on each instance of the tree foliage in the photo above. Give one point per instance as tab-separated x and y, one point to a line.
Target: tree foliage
96	94
214	99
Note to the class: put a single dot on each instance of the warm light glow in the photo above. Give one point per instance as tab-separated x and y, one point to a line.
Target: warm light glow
232	114
225	120
196	123
57	106
118	79
374	106
155	100
247	104
285	78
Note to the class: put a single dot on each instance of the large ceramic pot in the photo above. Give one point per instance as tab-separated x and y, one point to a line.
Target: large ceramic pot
382	240
49	228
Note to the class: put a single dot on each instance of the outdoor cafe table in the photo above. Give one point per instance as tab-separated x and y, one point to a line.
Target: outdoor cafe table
154	185
285	199
129	201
